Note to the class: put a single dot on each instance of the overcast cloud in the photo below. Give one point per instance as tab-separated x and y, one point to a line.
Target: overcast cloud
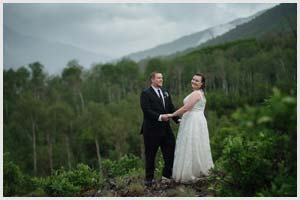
120	29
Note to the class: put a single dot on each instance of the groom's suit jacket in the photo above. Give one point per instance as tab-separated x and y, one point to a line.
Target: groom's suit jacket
152	107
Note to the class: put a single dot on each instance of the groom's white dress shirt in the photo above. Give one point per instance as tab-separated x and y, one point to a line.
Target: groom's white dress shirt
162	96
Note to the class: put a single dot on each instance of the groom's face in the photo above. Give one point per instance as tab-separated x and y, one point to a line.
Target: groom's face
157	80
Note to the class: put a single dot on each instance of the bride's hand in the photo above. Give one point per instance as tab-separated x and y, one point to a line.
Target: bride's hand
170	115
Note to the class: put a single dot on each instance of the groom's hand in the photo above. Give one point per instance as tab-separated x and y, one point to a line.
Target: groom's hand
165	117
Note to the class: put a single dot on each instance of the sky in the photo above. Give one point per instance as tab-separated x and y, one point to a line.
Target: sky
117	29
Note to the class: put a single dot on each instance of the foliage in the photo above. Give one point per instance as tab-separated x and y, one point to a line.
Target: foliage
15	182
181	191
261	158
121	167
71	182
159	164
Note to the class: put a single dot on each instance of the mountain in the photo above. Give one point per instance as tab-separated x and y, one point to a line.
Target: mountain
281	18
192	40
53	55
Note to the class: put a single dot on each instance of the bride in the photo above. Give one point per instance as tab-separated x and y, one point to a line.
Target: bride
192	153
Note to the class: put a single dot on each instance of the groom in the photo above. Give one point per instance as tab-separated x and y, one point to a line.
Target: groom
156	130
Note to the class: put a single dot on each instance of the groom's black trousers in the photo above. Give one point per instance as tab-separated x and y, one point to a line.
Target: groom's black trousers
166	142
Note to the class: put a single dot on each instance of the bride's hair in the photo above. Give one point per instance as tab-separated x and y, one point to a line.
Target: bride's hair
203	80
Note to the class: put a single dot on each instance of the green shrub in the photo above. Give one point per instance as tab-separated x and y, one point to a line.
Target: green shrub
257	144
71	182
159	164
12	178
15	183
282	185
135	189
121	167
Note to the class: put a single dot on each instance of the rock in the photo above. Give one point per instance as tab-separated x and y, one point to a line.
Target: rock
112	184
98	193
135	187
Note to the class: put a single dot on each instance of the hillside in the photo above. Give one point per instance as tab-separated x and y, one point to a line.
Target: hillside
191	40
281	18
278	20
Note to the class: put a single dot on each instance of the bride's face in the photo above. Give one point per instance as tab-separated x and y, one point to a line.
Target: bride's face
196	82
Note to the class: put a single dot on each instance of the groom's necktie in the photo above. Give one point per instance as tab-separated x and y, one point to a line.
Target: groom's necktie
160	96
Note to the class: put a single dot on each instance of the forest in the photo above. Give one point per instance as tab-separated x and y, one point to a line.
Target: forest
74	132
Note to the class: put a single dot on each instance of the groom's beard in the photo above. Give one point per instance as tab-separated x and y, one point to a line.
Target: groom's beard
157	86
160	84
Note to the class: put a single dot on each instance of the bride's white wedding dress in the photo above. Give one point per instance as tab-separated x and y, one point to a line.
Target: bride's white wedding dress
192	153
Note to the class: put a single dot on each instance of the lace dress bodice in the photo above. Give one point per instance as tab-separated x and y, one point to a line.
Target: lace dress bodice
200	105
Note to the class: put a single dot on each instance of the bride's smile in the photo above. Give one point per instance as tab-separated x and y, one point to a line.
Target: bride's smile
196	82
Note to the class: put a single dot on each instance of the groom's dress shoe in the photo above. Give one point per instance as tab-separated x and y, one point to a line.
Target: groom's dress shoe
149	183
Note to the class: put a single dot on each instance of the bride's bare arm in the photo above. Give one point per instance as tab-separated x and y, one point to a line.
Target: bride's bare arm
192	100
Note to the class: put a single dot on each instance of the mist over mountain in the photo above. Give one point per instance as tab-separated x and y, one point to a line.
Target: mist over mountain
191	40
21	50
279	19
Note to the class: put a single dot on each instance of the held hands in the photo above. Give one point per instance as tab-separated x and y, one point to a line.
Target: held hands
166	117
170	115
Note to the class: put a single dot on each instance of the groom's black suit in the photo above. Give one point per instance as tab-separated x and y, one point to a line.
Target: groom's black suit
157	133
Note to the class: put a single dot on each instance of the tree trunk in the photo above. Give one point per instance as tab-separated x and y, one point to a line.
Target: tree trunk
98	154
68	150
123	87
34	147
81	99
282	65
251	83
109	94
49	142
179	83
118	149
225	85
6	110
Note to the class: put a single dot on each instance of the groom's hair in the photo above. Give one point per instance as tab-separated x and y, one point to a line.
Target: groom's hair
152	75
